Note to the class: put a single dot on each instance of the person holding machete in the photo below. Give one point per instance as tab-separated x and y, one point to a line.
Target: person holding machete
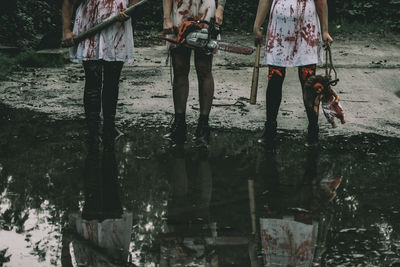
296	31
175	13
103	56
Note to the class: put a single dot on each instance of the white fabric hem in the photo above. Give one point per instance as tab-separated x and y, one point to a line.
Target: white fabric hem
79	60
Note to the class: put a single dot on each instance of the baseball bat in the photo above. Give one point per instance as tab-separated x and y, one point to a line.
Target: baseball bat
254	81
101	26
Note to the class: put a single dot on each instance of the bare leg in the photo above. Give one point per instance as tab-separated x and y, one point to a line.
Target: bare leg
205	79
181	68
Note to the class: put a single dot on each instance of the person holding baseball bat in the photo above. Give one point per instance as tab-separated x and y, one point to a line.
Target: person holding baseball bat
103	56
296	31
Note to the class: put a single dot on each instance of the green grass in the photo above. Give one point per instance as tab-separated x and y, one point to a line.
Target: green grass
25	59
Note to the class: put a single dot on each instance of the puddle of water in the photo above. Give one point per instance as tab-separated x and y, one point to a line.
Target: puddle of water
232	205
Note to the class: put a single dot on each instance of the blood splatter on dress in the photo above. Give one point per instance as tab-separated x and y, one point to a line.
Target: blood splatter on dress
114	43
294	35
184	10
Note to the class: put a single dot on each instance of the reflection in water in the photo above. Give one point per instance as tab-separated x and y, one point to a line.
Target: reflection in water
41	179
100	236
294	218
190	236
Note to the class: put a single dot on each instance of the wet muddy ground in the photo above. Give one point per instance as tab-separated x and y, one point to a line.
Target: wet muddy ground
369	88
232	205
193	207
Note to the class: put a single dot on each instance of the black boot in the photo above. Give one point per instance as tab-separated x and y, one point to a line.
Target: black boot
312	135
178	131
93	124
202	135
268	136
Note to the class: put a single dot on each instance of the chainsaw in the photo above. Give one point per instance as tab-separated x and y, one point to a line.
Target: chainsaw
203	35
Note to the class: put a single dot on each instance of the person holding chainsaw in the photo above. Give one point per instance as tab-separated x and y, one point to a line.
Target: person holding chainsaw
296	31
103	56
176	13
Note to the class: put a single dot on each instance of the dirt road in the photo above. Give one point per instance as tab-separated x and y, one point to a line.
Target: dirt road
368	67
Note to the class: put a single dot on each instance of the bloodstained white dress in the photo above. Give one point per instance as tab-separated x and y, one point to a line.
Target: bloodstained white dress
114	43
294	35
184	10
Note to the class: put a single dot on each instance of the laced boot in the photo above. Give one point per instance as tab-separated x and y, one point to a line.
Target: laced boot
93	124
178	130
202	135
312	135
268	136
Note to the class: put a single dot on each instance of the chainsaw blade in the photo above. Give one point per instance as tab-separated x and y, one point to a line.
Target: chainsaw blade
235	48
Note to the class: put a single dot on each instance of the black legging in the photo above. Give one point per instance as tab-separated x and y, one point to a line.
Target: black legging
276	75
101	91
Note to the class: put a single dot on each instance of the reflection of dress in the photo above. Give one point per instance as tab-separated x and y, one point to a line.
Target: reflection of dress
111	234
114	43
293	37
287	242
192	9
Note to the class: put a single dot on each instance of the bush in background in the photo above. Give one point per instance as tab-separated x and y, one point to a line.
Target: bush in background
37	23
24	23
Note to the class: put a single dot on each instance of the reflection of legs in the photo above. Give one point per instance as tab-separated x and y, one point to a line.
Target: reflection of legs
304	73
92	99
112	72
276	75
205	79
179	206
111	202
204	185
181	67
